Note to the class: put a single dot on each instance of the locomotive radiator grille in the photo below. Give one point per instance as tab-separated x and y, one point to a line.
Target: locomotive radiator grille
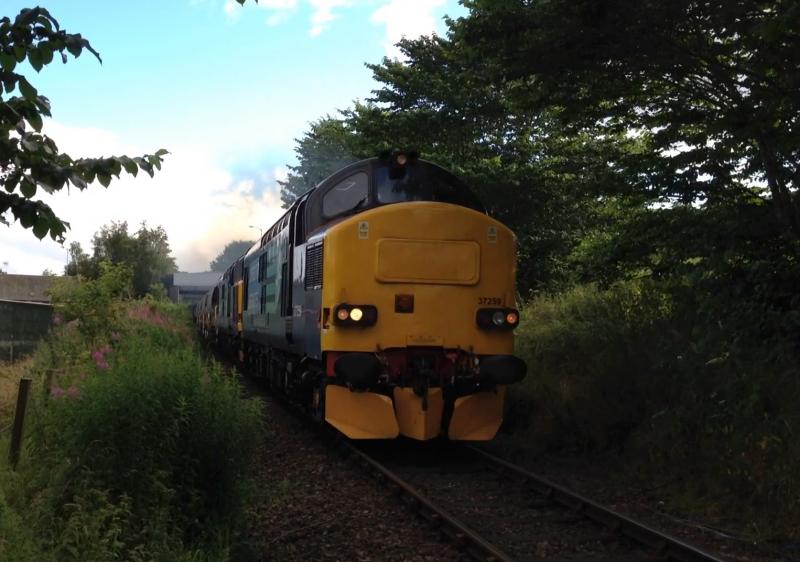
313	266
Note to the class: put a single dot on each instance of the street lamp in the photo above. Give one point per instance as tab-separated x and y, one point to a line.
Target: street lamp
260	230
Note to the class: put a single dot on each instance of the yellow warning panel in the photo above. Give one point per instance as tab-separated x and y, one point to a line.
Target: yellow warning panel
413	420
360	415
477	417
443	262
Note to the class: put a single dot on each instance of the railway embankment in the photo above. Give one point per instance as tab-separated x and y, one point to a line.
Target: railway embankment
136	447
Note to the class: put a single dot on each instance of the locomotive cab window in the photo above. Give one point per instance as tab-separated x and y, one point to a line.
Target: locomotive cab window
423	182
348	195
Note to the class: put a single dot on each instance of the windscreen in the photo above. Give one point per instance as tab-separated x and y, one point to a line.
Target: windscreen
424	182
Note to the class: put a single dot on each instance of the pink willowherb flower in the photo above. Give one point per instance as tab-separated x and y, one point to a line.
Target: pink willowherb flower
103	364
57	392
73	391
57	320
116	336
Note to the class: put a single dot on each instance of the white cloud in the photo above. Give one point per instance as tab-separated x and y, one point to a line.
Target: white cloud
193	197
280	10
277	18
281	173
323	14
232	9
406	18
402	18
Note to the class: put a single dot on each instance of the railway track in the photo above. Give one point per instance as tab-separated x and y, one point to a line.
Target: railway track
498	511
493	510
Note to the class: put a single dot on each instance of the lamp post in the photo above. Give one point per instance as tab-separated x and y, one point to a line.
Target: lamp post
260	230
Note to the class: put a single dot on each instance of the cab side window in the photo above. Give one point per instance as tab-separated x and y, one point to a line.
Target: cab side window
347	195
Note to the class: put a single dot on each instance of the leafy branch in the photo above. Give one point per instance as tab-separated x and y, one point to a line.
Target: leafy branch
30	160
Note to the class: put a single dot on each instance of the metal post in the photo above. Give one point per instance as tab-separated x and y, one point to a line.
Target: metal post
19	422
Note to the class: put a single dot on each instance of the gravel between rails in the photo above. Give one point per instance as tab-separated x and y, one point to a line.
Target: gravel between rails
316	505
526	526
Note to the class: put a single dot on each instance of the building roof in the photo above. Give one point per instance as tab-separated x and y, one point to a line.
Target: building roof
29	288
205	279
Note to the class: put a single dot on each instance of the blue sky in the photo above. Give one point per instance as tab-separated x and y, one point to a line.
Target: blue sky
225	88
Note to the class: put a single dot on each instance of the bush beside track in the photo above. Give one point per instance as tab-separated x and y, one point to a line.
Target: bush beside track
696	392
141	449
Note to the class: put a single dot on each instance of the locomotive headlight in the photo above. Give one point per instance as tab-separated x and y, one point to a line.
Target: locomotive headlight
497	318
361	315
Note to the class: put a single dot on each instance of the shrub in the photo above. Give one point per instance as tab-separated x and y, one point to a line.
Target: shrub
92	304
589	352
141	450
692	387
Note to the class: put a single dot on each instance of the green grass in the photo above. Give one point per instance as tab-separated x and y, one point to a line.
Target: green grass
140	450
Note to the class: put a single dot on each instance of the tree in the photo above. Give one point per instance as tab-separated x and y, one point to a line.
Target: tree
326	147
231	252
528	170
146	253
711	85
30	160
80	263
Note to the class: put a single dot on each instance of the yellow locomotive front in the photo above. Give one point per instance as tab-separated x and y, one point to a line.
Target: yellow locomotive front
417	319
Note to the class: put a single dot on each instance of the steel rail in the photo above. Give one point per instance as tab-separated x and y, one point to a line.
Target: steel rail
666	545
459	533
464	537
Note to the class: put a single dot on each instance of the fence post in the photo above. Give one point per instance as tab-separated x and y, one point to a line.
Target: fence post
19	422
48	383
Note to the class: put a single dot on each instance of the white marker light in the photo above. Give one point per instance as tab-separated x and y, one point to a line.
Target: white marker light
356	314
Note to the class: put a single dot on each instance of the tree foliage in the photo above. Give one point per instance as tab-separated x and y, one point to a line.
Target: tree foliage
146	252
328	145
30	161
231	252
711	85
522	163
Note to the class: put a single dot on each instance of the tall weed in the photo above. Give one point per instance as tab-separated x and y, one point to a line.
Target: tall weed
690	387
140	449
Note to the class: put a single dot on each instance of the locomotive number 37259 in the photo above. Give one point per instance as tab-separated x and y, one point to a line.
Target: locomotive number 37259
496	301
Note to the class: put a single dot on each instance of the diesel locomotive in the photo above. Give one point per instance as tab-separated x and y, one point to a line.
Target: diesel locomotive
383	300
